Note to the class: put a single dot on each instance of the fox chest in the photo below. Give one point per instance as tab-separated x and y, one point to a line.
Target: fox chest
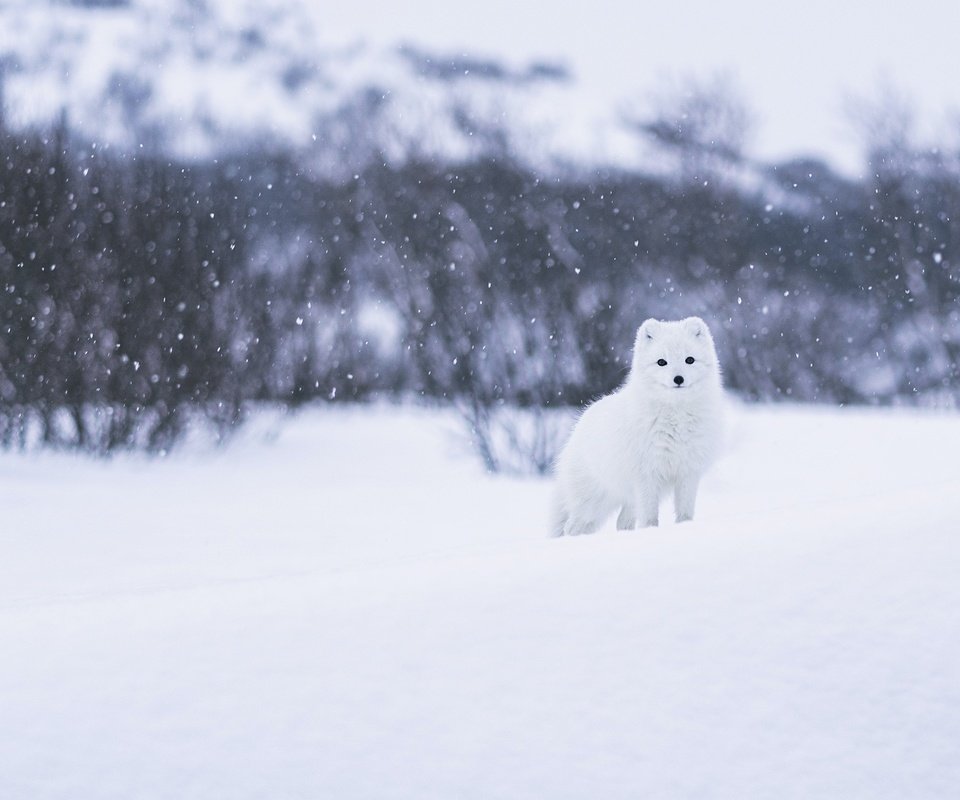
674	441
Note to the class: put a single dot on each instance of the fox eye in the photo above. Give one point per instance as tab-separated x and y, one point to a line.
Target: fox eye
662	362
690	359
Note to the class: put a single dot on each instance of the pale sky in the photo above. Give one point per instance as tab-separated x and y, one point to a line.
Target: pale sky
795	63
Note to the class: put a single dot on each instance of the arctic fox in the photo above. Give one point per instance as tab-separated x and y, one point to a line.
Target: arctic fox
658	431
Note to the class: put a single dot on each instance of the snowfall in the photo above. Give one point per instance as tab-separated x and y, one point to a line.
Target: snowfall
342	604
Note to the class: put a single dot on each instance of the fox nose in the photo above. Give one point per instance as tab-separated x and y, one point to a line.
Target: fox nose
678	380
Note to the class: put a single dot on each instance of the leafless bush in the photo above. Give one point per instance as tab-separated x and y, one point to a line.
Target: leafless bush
515	441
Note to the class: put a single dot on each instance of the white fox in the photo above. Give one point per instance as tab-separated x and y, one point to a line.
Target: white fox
658	431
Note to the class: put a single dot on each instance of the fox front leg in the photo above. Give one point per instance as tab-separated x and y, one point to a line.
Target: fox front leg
648	505
685	497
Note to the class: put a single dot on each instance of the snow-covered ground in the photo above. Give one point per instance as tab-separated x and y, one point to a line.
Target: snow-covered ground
352	609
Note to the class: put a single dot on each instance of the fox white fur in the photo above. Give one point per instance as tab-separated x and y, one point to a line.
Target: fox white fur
658	432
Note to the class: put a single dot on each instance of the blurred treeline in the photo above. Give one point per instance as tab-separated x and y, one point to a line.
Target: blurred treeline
139	294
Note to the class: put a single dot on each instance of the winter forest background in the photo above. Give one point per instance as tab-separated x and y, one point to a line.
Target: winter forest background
398	228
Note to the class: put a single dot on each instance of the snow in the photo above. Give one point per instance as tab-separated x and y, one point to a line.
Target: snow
798	66
221	71
233	75
344	605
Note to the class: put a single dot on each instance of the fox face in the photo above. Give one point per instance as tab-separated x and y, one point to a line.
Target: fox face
674	356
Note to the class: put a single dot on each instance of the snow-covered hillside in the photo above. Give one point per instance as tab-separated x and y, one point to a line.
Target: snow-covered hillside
229	75
352	609
221	74
196	81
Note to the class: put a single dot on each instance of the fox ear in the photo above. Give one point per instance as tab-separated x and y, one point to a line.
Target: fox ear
648	331
696	326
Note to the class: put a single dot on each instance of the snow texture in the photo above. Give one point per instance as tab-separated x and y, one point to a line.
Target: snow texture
351	609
